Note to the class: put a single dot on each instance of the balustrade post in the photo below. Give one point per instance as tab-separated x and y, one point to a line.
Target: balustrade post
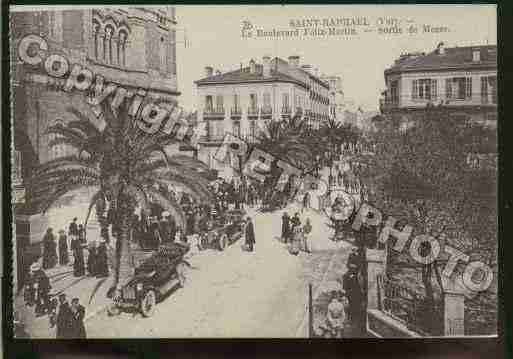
453	308
375	267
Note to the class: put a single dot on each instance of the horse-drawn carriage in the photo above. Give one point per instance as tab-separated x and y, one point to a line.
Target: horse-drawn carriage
223	231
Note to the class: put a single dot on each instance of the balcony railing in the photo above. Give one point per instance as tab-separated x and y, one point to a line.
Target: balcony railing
236	111
489	99
253	111
213	112
266	110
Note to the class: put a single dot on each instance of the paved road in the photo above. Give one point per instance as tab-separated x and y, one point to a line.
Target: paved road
240	294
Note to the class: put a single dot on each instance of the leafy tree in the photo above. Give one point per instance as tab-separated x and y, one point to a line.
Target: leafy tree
127	166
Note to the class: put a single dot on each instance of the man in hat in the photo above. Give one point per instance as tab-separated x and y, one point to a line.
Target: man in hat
356	309
250	234
77	319
285	227
73	229
63	318
102	263
49	250
39	288
165	227
91	258
63	248
295	222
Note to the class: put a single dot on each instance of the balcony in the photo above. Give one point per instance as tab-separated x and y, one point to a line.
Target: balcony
266	111
236	112
386	105
213	112
286	110
489	99
252	111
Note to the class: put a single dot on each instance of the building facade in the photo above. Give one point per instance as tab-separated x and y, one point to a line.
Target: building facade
241	101
464	79
336	97
132	47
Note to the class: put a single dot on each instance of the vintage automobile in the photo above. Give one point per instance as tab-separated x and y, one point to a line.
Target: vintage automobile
164	270
223	232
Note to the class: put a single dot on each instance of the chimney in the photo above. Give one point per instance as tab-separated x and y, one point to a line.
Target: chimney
267	66
476	55
208	71
441	48
316	72
307	68
294	61
252	67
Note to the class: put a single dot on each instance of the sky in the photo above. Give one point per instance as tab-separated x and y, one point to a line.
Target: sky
212	36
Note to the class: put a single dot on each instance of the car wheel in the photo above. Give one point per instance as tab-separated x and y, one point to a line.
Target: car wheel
182	270
113	310
148	303
223	242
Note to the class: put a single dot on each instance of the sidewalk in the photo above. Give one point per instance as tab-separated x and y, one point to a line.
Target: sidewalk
91	292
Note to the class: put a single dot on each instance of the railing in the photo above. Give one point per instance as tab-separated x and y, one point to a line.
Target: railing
488	99
286	110
236	111
409	307
211	112
253	111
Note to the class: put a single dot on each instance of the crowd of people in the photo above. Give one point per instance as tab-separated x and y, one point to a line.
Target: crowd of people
295	234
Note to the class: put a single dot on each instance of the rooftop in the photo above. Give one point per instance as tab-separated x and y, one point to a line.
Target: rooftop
244	75
447	58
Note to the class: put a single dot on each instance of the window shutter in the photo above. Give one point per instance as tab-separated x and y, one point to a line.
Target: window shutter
433	89
415	89
448	88
469	88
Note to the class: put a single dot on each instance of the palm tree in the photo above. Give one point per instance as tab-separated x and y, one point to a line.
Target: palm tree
127	166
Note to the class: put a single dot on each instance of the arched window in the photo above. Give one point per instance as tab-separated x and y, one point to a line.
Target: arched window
107	45
96	40
122	48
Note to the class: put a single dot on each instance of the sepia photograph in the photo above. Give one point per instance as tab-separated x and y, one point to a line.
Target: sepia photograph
254	171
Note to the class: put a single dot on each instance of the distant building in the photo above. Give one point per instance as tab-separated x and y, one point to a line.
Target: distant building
241	101
336	96
134	47
464	79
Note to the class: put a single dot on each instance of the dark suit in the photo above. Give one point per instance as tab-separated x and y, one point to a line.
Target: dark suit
64	321
250	236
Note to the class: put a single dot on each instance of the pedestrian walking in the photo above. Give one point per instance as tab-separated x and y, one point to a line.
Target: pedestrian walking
250	234
92	259
81	233
102	262
307	229
73	229
63	318
356	309
77	319
295	222
78	257
63	248
285	227
306	201
49	250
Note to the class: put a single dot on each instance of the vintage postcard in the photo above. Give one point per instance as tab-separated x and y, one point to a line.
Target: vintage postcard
254	171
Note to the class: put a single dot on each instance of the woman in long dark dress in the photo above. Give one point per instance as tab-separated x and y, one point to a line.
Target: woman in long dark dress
91	259
49	250
78	255
63	248
102	263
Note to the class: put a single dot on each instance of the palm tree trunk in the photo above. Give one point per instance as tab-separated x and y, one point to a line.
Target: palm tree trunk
123	264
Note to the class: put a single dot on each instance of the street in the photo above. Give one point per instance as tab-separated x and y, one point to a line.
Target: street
240	294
